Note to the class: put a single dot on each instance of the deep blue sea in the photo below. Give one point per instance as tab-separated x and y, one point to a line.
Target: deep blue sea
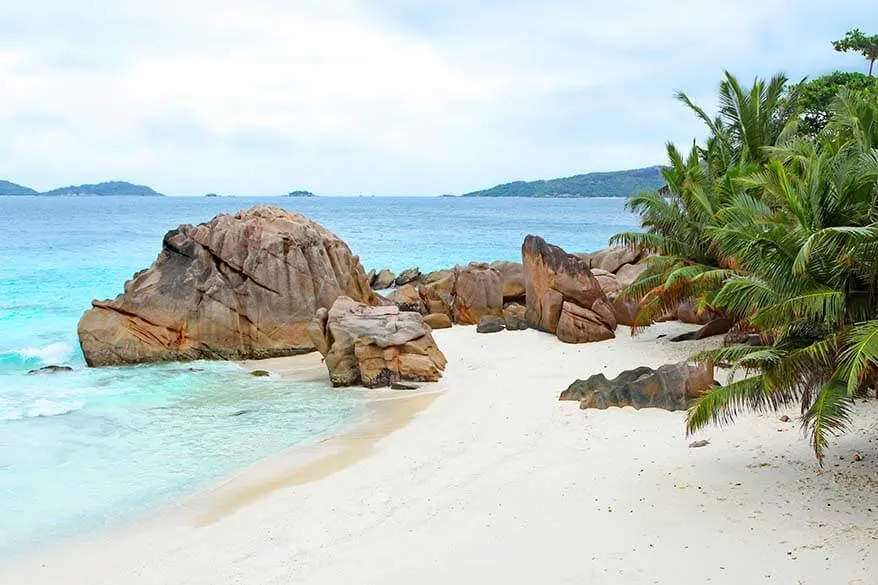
92	447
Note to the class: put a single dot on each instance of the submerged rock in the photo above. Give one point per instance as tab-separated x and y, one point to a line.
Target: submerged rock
671	387
50	370
563	296
375	346
260	373
242	286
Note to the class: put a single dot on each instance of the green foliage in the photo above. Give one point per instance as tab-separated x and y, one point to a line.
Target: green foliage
609	184
817	95
781	233
856	41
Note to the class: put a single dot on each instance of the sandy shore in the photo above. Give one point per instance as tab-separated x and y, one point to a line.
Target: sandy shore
489	478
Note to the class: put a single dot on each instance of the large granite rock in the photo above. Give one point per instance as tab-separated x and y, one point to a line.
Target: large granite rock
563	297
408	298
241	286
478	291
628	273
671	387
408	276
512	275
514	316
608	281
384	279
613	258
438	321
438	294
718	326
375	346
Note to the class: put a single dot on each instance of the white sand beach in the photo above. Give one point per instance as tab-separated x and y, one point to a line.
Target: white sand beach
488	478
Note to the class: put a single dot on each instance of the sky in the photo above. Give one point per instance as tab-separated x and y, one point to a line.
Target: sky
378	97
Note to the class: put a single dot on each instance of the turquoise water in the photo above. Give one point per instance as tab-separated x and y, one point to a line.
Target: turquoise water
95	446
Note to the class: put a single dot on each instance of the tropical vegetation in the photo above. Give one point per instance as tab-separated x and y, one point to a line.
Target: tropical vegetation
775	225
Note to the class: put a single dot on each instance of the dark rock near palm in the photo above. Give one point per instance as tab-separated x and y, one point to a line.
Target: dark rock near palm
715	327
671	387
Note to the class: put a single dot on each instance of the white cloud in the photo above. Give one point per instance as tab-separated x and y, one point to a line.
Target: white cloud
352	96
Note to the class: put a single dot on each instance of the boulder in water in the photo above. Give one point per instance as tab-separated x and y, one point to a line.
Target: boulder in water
242	286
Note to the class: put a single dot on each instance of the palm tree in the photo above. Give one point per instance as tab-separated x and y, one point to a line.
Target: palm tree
804	234
687	263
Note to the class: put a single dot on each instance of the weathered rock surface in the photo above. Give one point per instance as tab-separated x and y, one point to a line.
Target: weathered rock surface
438	295
490	324
628	273
612	258
514	317
407	276
608	281
563	297
241	286
478	291
671	387
687	313
384	279
624	309
512	274
438	321
438	275
408	298
375	346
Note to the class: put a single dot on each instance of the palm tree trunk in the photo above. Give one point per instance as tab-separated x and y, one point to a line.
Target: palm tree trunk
872	62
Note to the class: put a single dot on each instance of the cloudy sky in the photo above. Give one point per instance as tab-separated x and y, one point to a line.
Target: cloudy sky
387	97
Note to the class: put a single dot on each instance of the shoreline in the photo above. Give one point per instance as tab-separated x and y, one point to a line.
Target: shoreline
487	477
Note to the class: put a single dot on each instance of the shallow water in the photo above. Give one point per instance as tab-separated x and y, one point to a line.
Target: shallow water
90	447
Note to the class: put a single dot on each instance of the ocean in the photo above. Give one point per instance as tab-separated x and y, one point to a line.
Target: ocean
90	448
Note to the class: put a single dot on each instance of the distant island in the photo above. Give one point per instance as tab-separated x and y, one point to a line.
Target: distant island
605	184
117	188
7	188
301	194
211	195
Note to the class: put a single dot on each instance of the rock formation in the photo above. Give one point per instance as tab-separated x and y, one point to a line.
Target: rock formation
671	387
512	276
478	291
563	297
241	286
375	346
382	280
490	324
438	321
